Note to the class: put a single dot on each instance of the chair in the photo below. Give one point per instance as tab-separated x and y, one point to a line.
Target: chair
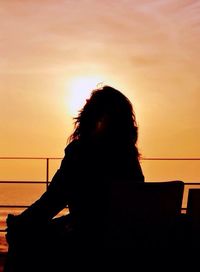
193	204
193	213
143	215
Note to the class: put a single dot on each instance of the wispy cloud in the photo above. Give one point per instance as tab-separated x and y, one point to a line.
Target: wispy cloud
49	35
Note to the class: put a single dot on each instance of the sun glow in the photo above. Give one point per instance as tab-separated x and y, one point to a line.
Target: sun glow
80	89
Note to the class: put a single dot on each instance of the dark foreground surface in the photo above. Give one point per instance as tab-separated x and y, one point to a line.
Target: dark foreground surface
2	260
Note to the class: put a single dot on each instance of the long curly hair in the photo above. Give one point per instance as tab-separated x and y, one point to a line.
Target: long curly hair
110	104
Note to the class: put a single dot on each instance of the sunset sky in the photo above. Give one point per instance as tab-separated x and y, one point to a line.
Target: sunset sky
147	49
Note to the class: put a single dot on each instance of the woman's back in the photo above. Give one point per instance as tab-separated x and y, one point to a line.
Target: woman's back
93	171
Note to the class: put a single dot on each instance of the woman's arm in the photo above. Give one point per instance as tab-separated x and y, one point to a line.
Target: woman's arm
49	204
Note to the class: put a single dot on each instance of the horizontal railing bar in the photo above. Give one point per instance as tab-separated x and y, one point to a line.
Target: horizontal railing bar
44	182
14	206
191	183
171	159
26	206
21	182
30	158
59	158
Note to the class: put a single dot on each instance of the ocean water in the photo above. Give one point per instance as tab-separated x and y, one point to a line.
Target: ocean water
3	243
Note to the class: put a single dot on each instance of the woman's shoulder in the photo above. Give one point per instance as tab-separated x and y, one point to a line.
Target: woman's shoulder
72	147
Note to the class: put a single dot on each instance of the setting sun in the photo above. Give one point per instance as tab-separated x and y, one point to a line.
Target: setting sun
80	89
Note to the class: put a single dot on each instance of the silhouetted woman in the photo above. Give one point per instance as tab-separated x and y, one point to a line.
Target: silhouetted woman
101	150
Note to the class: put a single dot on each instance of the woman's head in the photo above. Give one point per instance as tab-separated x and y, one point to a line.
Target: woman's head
108	116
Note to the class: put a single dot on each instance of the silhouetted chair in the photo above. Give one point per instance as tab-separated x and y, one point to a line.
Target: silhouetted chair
193	213
144	216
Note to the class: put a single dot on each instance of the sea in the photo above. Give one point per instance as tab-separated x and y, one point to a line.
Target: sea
3	243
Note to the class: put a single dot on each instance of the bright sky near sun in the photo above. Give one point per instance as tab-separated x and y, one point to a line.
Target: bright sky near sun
80	90
53	53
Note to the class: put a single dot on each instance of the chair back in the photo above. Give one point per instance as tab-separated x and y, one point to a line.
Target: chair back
193	205
141	213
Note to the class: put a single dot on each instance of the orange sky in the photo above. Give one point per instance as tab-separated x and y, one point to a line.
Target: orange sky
147	49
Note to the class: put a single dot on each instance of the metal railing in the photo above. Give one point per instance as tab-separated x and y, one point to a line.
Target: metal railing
47	181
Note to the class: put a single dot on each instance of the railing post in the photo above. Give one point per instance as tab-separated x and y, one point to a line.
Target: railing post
47	173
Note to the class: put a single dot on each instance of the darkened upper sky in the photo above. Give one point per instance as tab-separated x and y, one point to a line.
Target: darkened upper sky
46	35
